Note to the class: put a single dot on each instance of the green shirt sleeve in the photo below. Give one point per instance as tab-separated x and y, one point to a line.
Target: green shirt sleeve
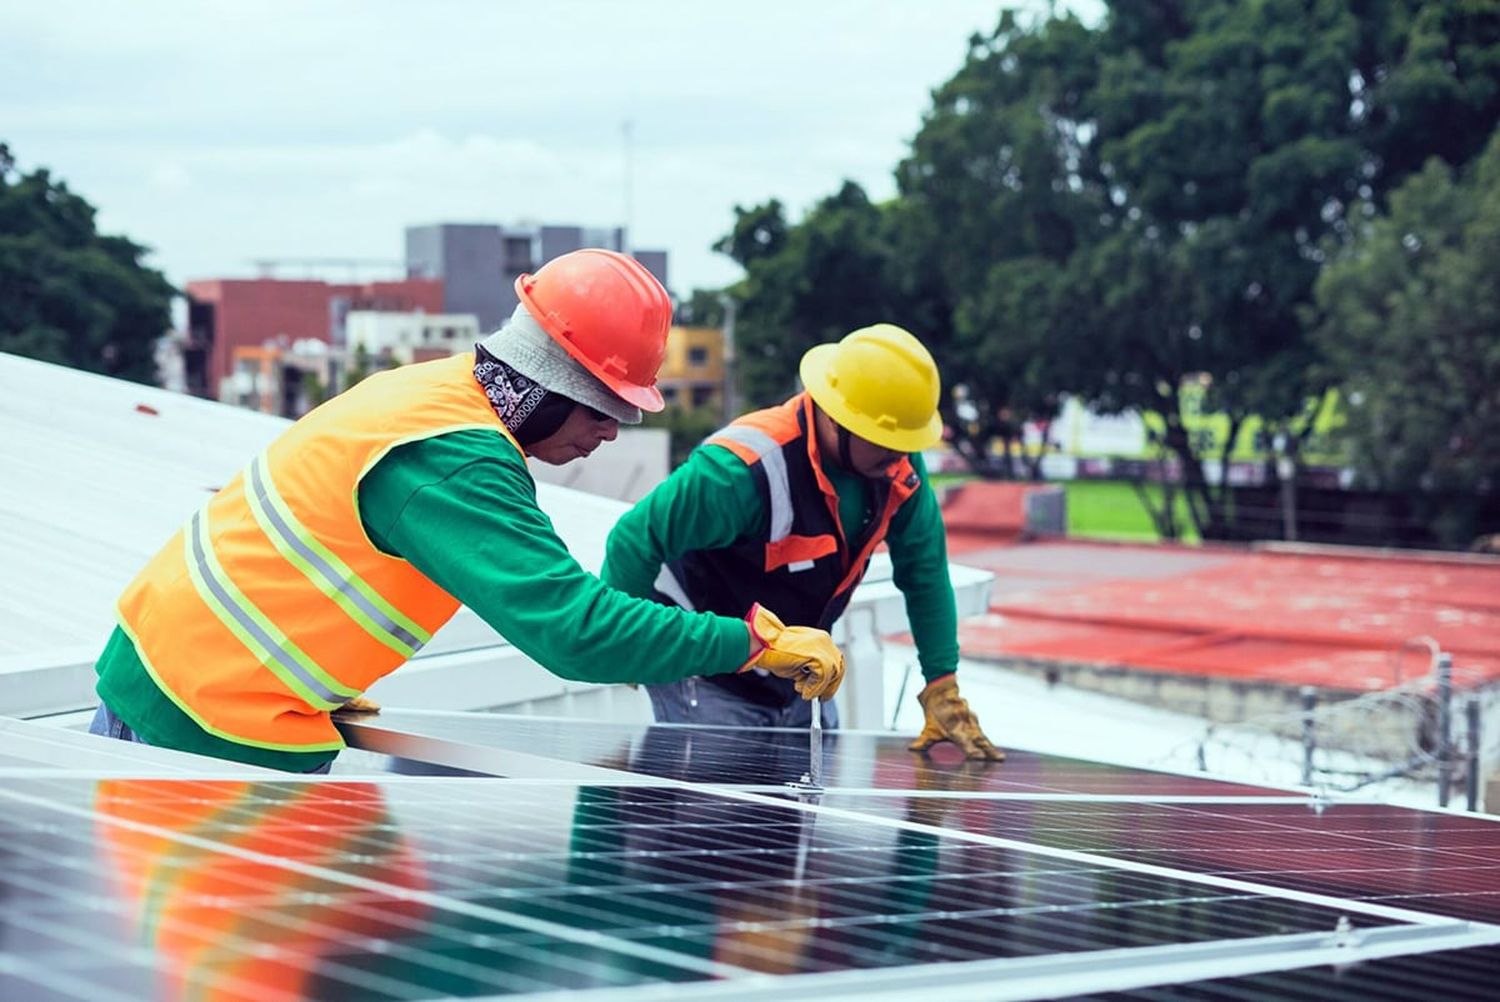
708	502
465	514
919	567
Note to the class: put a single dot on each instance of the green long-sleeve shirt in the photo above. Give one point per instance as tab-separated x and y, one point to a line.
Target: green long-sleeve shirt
712	500
465	514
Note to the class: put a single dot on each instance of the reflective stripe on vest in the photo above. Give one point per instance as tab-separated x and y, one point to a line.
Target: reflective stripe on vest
779	489
768	451
324	569
261	636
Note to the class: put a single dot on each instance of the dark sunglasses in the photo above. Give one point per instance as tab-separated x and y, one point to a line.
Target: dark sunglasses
596	414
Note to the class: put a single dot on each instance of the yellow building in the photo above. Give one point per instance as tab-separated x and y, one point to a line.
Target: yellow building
692	376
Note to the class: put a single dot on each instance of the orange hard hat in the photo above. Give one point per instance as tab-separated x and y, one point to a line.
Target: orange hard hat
609	313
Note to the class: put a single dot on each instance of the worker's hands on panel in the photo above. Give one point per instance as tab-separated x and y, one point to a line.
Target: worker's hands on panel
361	704
950	719
807	656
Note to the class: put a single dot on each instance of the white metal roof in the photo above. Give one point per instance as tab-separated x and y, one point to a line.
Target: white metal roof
96	473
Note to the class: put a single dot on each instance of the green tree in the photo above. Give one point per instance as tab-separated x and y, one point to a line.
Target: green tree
1139	204
1410	321
69	294
806	284
704	308
1117	211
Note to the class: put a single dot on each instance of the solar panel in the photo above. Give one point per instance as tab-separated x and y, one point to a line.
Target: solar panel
411	889
640	861
1448	864
771	756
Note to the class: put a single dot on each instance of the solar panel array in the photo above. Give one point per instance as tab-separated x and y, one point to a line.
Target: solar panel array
633	862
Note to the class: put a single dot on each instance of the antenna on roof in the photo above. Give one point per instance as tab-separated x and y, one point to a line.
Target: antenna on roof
627	130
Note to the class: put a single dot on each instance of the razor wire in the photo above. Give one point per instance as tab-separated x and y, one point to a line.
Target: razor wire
1441	727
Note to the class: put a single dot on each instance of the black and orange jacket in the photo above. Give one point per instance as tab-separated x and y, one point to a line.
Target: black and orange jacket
802	566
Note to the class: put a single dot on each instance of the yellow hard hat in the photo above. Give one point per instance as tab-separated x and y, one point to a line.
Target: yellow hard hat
880	384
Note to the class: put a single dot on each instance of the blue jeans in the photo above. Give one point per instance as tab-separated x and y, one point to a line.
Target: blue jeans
106	724
697	701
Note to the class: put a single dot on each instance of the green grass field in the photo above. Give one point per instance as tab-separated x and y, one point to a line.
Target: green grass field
1109	509
1106	509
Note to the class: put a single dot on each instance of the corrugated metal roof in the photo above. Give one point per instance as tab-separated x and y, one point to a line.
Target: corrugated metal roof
96	474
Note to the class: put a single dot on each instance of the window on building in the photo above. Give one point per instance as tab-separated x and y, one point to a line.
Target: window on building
698	357
669	394
702	395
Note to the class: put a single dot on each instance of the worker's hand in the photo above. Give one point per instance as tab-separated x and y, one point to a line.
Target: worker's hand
361	704
950	719
807	656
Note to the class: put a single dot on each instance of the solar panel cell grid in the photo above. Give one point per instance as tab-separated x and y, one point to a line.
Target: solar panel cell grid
470	886
1448	864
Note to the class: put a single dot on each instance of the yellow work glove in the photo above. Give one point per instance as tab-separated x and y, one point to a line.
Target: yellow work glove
361	704
805	655
950	719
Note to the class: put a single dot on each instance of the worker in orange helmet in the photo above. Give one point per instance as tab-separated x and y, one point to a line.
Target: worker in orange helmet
342	548
786	506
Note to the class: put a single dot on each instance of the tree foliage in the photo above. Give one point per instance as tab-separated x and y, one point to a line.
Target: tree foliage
1411	323
69	294
833	272
1111	211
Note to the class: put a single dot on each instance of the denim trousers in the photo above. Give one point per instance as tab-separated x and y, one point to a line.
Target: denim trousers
697	701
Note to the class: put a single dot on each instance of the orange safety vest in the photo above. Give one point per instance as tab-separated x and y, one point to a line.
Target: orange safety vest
805	566
271	607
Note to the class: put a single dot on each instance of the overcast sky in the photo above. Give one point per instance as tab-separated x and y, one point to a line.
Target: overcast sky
221	133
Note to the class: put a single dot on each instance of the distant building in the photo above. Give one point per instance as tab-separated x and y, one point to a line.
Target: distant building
478	263
409	337
226	314
283	379
692	375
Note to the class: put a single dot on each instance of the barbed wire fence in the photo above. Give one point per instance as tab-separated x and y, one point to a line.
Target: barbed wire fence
1423	731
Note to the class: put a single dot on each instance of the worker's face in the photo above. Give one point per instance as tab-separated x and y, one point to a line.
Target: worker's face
865	457
583	432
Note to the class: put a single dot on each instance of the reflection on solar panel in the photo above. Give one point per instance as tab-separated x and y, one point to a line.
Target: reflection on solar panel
771	757
1059	879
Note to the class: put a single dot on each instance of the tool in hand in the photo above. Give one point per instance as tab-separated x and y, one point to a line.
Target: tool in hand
815	749
811	783
812	780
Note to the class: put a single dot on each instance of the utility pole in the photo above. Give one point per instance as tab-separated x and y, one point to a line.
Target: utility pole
1286	472
731	404
627	131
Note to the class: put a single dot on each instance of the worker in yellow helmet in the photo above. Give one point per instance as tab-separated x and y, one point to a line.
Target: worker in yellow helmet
785	506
